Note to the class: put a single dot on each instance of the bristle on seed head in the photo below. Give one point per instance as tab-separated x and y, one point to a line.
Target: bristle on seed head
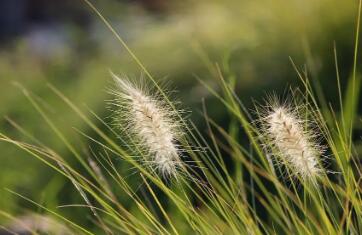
152	124
290	139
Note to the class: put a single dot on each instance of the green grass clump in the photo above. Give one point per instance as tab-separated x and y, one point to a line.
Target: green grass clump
216	180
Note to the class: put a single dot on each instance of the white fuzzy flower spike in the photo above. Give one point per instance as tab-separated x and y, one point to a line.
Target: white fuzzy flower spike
152	122
293	140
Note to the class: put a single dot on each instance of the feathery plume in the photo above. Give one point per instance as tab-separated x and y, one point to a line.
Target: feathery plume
292	139
152	124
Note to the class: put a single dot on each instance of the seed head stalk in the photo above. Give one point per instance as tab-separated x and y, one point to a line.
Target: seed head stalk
152	124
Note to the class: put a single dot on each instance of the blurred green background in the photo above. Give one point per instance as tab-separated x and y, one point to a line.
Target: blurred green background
64	43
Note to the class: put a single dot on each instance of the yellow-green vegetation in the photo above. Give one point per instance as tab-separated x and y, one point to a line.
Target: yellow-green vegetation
67	159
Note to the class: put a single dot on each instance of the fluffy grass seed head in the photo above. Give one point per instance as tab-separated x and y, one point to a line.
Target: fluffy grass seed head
290	137
152	125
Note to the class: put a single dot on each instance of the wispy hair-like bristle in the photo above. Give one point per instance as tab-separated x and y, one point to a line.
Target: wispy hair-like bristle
152	124
289	136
